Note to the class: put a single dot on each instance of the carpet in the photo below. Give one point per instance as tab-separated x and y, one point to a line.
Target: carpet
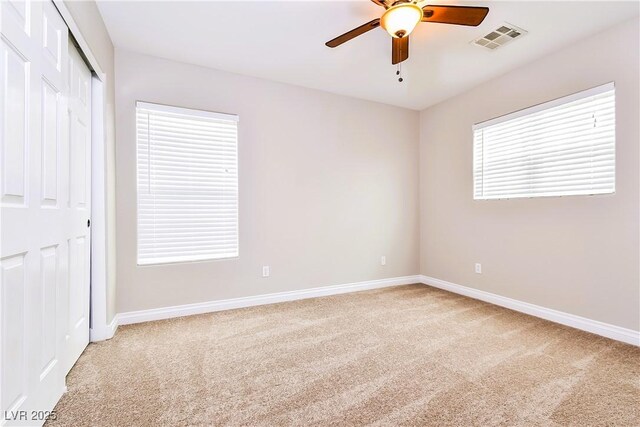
407	355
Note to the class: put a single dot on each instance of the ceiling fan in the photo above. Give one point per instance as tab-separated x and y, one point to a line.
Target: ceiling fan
402	16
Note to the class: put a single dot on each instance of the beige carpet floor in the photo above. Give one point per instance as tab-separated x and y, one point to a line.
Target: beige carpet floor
408	355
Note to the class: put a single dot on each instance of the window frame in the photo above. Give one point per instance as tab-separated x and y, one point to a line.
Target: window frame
197	113
610	86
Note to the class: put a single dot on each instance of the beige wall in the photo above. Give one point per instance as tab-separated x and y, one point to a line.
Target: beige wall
89	21
576	254
328	184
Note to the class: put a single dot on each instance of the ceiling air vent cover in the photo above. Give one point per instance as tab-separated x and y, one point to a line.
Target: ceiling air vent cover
502	35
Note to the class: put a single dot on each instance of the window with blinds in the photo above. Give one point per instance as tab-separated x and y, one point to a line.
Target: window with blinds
559	148
187	163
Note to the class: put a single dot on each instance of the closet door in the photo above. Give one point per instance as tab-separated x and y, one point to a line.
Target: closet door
44	258
79	204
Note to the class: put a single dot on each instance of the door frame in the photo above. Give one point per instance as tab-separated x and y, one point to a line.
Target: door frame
100	329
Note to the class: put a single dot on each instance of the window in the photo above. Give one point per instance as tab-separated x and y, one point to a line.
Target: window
187	184
559	148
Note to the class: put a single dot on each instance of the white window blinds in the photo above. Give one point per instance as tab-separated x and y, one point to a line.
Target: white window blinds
563	147
187	184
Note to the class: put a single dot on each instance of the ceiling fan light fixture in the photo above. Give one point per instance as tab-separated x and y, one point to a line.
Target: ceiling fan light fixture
400	20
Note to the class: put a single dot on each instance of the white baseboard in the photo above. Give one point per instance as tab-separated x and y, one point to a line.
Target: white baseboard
105	332
600	328
228	304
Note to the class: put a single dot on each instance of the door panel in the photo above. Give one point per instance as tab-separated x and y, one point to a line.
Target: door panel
53	45
48	290
79	113
16	110
44	243
18	10
50	143
78	162
14	374
76	270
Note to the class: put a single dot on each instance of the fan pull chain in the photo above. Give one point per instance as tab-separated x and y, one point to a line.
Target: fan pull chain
399	73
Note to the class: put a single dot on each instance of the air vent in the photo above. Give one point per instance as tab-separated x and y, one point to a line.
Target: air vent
502	35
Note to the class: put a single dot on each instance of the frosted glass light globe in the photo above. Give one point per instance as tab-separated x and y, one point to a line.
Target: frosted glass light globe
400	20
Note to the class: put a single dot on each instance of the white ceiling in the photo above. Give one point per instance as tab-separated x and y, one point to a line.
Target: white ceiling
284	41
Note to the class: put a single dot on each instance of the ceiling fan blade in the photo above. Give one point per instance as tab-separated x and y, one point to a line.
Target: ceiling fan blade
354	33
399	49
458	15
380	3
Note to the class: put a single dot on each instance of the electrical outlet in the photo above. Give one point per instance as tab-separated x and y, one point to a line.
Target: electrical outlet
478	268
266	271
383	260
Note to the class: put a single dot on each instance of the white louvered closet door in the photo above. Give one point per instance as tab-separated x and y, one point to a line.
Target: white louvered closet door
564	147
187	163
